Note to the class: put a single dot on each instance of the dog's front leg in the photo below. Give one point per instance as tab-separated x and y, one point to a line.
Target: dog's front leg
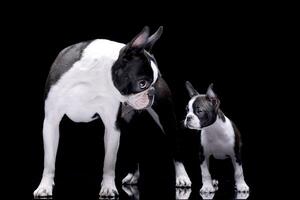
182	178
50	139
111	145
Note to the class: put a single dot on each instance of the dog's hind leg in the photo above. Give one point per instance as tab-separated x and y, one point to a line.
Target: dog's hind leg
164	109
50	139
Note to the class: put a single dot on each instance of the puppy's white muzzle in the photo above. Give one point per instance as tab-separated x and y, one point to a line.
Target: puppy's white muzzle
192	122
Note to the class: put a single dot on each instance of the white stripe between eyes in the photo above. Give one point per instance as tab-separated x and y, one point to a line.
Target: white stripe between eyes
155	71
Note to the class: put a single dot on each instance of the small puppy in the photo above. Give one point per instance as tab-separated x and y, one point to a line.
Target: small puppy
219	136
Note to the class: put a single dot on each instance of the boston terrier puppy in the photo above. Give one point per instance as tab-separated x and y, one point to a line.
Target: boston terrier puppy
219	136
97	79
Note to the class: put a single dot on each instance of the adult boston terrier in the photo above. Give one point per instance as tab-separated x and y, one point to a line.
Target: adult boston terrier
96	79
219	136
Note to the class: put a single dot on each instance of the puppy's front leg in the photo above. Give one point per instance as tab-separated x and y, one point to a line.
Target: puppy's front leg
111	145
207	185
240	183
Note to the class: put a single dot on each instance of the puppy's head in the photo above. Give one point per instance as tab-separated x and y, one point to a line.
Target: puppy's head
135	71
202	109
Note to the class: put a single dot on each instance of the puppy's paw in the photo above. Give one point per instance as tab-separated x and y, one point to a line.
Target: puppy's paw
131	179
242	187
207	188
108	188
183	181
43	190
183	193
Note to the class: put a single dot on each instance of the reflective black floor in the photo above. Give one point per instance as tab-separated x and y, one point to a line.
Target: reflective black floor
132	192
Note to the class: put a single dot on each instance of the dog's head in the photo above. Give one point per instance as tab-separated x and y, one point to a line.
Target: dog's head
202	109
135	71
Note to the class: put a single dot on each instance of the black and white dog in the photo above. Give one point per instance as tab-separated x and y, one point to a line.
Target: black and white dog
97	78
219	136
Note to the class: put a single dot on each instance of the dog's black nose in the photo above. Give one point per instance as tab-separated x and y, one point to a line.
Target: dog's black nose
189	118
151	92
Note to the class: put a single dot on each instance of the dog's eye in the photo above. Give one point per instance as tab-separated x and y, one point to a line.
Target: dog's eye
143	84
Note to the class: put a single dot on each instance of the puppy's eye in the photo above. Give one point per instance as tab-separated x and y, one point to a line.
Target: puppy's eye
143	84
199	111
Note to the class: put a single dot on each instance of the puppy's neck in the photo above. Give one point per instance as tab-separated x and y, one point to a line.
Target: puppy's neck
219	124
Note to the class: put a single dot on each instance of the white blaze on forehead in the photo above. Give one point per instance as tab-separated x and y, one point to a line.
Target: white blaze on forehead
195	122
191	102
155	71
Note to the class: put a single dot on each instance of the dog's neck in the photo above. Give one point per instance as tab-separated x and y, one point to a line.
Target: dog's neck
114	90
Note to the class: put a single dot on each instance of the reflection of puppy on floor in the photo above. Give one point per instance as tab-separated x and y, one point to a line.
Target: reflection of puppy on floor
183	192
219	136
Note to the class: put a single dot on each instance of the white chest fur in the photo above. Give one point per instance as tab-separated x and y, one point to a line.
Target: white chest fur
87	87
218	139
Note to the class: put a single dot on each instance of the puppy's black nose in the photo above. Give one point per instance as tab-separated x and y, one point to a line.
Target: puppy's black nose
189	118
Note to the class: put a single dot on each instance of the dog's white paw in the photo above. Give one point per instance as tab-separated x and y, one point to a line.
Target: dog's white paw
108	188
183	193
131	179
242	187
215	184
183	181
44	189
207	188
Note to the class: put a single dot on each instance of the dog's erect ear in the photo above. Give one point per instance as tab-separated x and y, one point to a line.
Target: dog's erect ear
192	92
139	42
153	38
211	95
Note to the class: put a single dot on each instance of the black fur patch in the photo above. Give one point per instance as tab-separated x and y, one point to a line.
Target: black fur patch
237	144
63	62
201	152
221	115
204	110
130	68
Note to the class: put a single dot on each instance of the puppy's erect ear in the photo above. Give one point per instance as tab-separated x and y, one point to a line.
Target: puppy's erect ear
153	38
192	92
211	95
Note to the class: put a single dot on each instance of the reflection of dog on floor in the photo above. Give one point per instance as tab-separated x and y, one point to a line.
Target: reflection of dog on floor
131	191
94	79
219	136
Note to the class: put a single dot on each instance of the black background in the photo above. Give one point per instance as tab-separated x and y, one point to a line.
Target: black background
242	51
